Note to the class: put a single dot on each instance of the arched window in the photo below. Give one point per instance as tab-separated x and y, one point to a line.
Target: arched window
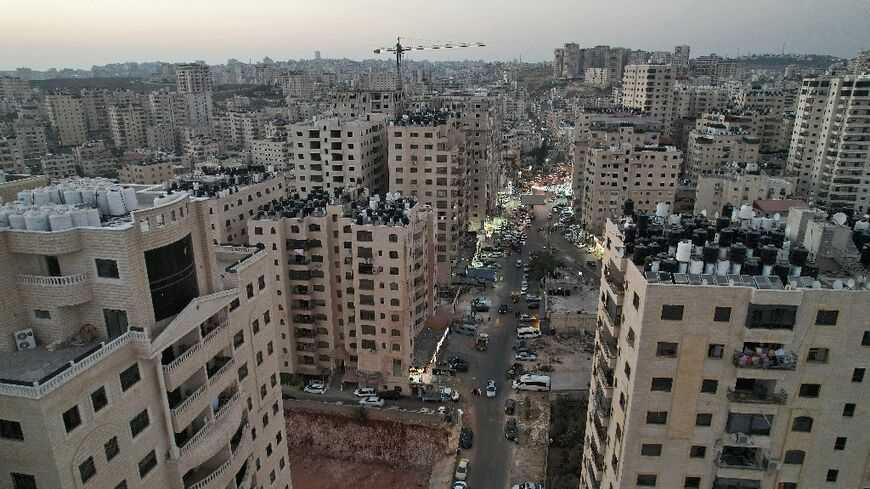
803	424
794	457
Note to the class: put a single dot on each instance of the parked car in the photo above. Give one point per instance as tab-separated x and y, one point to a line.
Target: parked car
365	392
534	305
510	406
460	485
316	387
490	388
504	309
511	431
466	438
528	485
481	304
460	366
449	395
461	470
372	401
533	298
525	356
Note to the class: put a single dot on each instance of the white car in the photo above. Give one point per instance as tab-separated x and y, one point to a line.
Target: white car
460	485
524	288
526	318
461	470
373	401
490	388
525	356
528	485
316	387
519	264
365	392
449	394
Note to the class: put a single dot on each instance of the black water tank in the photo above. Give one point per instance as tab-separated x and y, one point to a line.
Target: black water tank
711	233
640	252
670	265
628	234
727	211
722	223
752	238
628	207
778	237
782	270
865	255
738	253
676	235
768	255
810	270
798	256
699	237
629	249
710	253
751	266
726	237
642	225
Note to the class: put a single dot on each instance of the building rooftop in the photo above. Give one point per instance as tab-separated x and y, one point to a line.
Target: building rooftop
773	206
214	182
40	364
387	210
424	118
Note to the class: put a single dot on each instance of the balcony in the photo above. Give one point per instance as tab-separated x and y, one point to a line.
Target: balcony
182	367
757	396
608	346
65	290
614	280
225	473
605	380
202	445
736	462
749	358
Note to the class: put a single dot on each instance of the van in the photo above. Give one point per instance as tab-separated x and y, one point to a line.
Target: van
527	332
469	329
530	382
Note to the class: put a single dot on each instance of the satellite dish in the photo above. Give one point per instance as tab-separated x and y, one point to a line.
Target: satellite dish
840	218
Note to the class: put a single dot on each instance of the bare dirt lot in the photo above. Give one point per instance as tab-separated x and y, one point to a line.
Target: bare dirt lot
529	456
318	472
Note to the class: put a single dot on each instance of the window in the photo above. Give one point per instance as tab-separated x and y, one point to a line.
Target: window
698	451
668	350
651	450
107	268
41	314
11	430
703	419
661	384
817	355
771	316
692	483
826	317
865	340
709	386
840	443
715	350
672	313
832	475
635	301
858	375
809	390
722	314
147	463
139	423
23	481
87	469
111	448
849	409
656	417
129	377
646	480
71	418
803	424
99	399
795	457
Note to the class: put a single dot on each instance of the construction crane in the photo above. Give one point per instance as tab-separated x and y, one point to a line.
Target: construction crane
400	51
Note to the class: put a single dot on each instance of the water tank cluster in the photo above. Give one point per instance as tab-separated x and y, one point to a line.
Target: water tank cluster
393	210
297	207
220	182
72	203
735	243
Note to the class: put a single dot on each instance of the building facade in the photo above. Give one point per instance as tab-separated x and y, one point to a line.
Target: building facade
650	89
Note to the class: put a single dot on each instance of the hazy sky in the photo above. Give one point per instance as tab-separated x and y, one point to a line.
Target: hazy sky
81	33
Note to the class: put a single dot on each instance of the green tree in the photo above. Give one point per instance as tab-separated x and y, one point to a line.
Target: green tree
542	265
360	415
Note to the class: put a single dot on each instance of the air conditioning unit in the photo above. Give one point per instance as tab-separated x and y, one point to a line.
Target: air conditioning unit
773	465
744	439
24	339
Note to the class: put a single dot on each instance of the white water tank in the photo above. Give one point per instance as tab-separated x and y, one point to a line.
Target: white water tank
80	217
723	267
25	197
684	251
766	223
36	220
746	212
116	203
89	196
675	219
130	200
93	216
103	201
662	209
4	217
862	225
72	196
41	197
696	266
16	220
60	220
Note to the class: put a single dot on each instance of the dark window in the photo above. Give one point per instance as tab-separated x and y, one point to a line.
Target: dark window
810	390
858	375
139	423
698	451
646	480
651	450
87	469
795	457
147	463
42	314
661	384
831	476
107	268
111	448
715	350
703	419
771	316
99	399
71	418
11	430
635	300
672	313
817	355
666	350
709	386
692	483
802	424
827	317
722	314
129	377
840	443
656	417
865	340
23	481
849	409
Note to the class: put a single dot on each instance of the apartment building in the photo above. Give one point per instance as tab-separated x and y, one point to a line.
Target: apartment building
193	78
11	184
761	99
650	88
11	157
740	184
427	160
712	148
67	118
31	136
239	127
356	103
735	359
61	165
645	174
764	124
356	282
95	107
567	61
149	168
681	59
273	150
199	148
137	354
597	77
15	88
129	124
338	153
829	147
95	159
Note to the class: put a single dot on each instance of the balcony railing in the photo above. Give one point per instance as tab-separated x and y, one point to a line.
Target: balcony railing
181	408
48	281
208	427
788	361
614	280
735	462
757	397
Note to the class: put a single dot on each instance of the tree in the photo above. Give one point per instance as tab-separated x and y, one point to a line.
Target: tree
360	415
542	265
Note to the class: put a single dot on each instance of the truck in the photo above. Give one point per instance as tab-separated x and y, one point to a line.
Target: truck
482	342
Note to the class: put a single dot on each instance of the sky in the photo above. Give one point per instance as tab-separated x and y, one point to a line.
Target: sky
80	33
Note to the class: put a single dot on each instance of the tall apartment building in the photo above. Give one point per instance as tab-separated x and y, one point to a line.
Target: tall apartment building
15	88
738	185
272	150
761	99
193	78
567	61
67	118
11	157
339	153
735	359
30	134
766	125
690	102
59	166
427	160
149	169
95	106
650	89
597	77
357	282
645	174
829	147
135	352
239	127
129	124
711	148
96	159
357	103
681	59
379	81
